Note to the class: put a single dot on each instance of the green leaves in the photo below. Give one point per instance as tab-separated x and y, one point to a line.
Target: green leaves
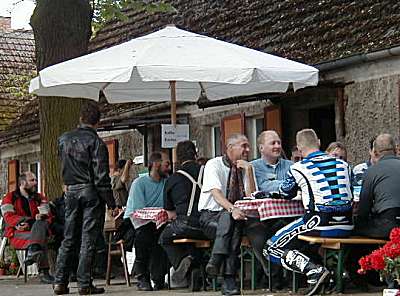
108	10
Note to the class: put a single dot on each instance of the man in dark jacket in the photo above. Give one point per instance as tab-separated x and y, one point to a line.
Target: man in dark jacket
379	207
181	199
85	171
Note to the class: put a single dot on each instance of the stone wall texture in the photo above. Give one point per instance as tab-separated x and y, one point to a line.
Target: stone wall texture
372	108
24	161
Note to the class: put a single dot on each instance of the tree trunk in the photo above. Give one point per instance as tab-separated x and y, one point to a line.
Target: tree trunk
62	29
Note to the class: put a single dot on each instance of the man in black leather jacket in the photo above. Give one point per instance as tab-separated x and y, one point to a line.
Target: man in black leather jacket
85	171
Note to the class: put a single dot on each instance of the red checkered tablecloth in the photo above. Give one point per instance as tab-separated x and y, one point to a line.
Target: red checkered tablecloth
143	216
269	208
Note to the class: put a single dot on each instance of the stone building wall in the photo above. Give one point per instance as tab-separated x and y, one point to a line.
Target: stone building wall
201	122
372	108
24	161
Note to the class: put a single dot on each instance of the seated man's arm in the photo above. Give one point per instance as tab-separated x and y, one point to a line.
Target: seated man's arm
10	216
169	205
289	187
220	198
366	198
136	198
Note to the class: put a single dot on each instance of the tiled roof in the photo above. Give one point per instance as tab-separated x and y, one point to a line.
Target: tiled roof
17	67
302	30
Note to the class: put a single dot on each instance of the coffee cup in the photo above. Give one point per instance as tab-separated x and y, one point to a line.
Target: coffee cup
44	209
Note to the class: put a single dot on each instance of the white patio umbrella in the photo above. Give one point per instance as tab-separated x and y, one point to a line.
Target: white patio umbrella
172	63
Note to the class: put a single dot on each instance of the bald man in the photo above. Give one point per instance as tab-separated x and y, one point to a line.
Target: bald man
270	169
379	207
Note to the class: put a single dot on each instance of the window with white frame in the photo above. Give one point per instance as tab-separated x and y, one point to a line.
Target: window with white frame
216	140
254	127
35	168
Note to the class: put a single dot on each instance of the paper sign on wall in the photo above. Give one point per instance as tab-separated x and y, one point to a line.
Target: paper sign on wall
171	135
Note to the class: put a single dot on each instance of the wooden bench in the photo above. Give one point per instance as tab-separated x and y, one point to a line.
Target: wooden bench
198	243
337	245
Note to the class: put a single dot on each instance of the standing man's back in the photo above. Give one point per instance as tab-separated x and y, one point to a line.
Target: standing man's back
85	172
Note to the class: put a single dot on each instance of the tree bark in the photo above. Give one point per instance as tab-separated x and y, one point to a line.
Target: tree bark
62	29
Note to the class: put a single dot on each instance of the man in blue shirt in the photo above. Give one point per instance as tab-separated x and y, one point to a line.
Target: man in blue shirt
270	169
147	191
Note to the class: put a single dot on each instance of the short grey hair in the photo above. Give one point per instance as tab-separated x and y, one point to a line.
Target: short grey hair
307	138
384	144
234	138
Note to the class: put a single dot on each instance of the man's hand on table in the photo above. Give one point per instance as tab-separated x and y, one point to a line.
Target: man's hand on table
171	215
238	214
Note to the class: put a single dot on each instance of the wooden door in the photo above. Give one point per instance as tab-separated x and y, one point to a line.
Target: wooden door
13	174
273	119
112	146
231	125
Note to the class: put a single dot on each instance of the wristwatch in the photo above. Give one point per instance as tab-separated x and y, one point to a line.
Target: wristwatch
230	210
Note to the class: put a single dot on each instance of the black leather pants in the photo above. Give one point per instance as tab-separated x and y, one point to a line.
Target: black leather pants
180	228
84	218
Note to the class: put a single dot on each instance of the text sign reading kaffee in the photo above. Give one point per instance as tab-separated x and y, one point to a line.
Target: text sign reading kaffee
171	135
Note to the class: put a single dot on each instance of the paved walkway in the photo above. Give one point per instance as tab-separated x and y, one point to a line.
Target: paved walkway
9	286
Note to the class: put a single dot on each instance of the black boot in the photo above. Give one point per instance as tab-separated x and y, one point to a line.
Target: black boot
229	287
90	290
143	283
316	277
60	289
196	280
182	270
33	255
45	277
214	264
316	274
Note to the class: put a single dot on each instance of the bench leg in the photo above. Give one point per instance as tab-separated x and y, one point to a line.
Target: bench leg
108	272
269	275
339	271
125	264
253	271
295	284
241	268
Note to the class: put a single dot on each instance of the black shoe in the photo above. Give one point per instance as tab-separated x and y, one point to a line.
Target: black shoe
214	264
60	289
315	278
183	268
144	284
196	280
159	285
229	286
90	290
33	255
45	277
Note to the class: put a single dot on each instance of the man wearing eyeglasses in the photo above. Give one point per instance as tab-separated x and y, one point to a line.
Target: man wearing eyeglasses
227	179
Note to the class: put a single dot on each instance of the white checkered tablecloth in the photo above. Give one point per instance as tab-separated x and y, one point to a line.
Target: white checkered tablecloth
146	215
269	208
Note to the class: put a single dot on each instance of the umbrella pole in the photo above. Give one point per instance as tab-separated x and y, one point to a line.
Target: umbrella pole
173	118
